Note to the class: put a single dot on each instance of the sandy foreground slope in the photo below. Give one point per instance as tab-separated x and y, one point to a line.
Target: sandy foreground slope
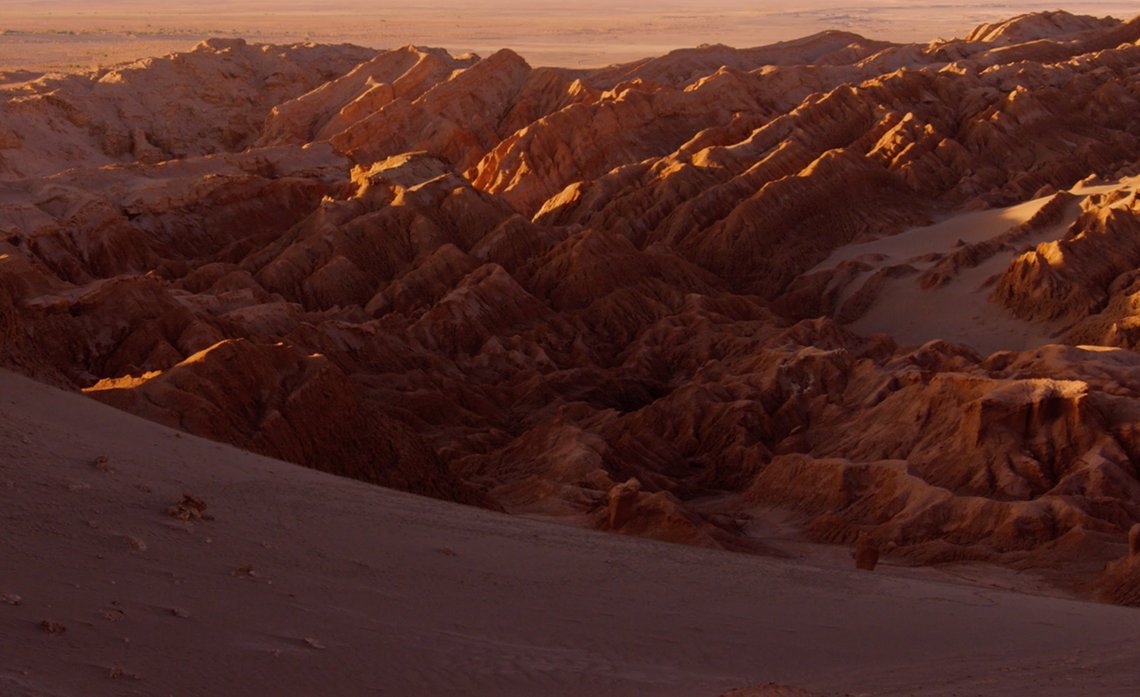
305	584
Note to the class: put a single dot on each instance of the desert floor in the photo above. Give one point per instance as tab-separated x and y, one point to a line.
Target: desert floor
306	584
75	35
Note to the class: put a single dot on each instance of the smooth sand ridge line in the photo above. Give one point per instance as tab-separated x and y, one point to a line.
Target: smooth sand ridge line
970	227
940	237
306	584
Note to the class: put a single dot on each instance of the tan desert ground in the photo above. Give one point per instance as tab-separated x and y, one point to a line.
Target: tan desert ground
554	349
300	583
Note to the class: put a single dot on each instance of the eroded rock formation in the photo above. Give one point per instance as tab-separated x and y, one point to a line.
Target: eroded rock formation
605	296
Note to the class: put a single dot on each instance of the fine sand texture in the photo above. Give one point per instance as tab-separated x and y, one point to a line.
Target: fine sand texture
959	310
271	579
74	35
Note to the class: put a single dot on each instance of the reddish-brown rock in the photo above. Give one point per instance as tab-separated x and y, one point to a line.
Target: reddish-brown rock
623	502
274	400
866	553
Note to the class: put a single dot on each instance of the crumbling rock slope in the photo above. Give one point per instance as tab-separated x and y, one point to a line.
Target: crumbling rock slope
664	298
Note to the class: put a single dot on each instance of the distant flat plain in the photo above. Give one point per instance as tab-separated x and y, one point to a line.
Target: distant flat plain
72	35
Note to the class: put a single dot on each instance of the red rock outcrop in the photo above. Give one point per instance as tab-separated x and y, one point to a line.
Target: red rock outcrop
212	99
1120	582
404	73
458	119
1071	278
274	400
1041	25
866	553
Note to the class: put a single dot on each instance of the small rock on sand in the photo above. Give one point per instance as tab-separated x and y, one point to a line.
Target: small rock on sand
136	543
52	627
190	508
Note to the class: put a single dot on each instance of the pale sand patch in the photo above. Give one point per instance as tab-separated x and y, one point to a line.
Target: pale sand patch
941	237
305	584
959	311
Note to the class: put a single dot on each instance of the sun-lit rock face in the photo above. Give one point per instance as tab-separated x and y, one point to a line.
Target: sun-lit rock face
633	298
1074	276
264	398
1058	25
213	99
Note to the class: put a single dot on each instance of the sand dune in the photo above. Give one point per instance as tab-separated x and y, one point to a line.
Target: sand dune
913	310
301	583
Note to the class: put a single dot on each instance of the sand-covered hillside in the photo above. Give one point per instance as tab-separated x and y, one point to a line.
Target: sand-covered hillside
274	579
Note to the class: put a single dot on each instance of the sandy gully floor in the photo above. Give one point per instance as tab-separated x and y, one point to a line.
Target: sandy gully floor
959	311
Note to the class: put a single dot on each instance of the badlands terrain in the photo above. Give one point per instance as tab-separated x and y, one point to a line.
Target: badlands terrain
769	300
